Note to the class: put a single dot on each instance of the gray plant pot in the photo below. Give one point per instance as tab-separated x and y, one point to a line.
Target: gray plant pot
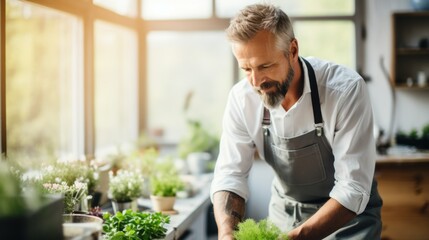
45	223
120	206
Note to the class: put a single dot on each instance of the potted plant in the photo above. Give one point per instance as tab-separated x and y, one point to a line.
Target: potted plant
72	194
163	192
125	187
27	214
415	138
262	230
145	161
198	147
128	225
74	179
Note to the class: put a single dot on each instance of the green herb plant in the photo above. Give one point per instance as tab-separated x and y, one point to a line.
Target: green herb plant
166	181
166	186
11	202
262	230
130	225
198	139
16	196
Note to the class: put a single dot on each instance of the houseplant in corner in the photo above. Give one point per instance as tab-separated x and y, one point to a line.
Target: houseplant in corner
125	187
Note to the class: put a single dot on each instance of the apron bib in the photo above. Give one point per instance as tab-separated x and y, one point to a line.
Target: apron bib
304	167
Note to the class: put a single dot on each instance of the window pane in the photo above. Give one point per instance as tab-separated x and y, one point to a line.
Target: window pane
319	7
116	112
180	63
123	7
227	8
43	82
331	40
176	9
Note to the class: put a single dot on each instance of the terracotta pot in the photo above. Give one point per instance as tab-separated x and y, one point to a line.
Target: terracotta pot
161	204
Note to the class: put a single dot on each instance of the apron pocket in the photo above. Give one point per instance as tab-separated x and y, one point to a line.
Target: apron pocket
299	167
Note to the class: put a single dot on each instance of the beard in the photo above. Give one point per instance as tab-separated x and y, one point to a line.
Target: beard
273	99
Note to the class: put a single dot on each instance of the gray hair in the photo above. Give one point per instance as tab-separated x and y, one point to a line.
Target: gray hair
258	17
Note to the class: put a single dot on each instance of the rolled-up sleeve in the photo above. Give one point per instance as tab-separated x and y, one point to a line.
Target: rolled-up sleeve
236	152
354	149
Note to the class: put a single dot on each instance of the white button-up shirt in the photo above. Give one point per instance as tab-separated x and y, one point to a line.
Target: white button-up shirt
348	127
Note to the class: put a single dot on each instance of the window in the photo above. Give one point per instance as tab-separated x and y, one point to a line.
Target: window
198	63
87	76
331	22
123	7
116	118
43	82
335	40
176	9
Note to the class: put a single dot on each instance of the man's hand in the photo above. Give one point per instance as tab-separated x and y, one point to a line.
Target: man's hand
229	211
329	218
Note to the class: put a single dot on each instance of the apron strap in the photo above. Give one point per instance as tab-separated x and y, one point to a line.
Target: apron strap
317	112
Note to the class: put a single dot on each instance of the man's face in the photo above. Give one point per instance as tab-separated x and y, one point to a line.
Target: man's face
267	68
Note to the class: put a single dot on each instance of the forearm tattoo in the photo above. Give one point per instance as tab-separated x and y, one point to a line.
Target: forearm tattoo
233	205
233	202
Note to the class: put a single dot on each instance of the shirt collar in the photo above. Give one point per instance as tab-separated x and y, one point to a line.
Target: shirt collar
306	78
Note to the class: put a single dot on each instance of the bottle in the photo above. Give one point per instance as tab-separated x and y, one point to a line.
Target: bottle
421	79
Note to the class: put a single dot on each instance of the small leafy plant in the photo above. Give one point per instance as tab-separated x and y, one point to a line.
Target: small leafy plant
166	186
127	225
126	185
198	139
262	230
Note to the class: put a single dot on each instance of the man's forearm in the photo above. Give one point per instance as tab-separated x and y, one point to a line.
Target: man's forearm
229	211
325	221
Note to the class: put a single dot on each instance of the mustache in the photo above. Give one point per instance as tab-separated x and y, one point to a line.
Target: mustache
267	85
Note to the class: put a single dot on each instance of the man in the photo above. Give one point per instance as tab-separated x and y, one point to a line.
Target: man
311	120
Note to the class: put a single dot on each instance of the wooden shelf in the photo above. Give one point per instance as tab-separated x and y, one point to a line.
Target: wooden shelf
412	51
403	86
409	29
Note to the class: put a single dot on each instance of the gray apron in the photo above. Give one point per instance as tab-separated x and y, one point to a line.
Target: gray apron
304	167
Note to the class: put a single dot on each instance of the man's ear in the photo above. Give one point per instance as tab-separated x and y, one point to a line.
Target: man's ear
293	50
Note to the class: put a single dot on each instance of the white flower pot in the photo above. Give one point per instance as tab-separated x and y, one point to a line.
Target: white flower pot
198	162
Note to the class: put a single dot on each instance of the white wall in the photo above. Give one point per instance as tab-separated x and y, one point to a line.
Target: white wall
412	108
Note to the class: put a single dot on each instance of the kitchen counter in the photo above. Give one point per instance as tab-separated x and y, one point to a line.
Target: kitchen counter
191	212
403	183
408	158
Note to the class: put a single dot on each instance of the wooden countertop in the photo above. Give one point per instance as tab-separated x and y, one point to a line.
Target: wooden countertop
403	158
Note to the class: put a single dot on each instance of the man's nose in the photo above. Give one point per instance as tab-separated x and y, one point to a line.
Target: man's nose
256	78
